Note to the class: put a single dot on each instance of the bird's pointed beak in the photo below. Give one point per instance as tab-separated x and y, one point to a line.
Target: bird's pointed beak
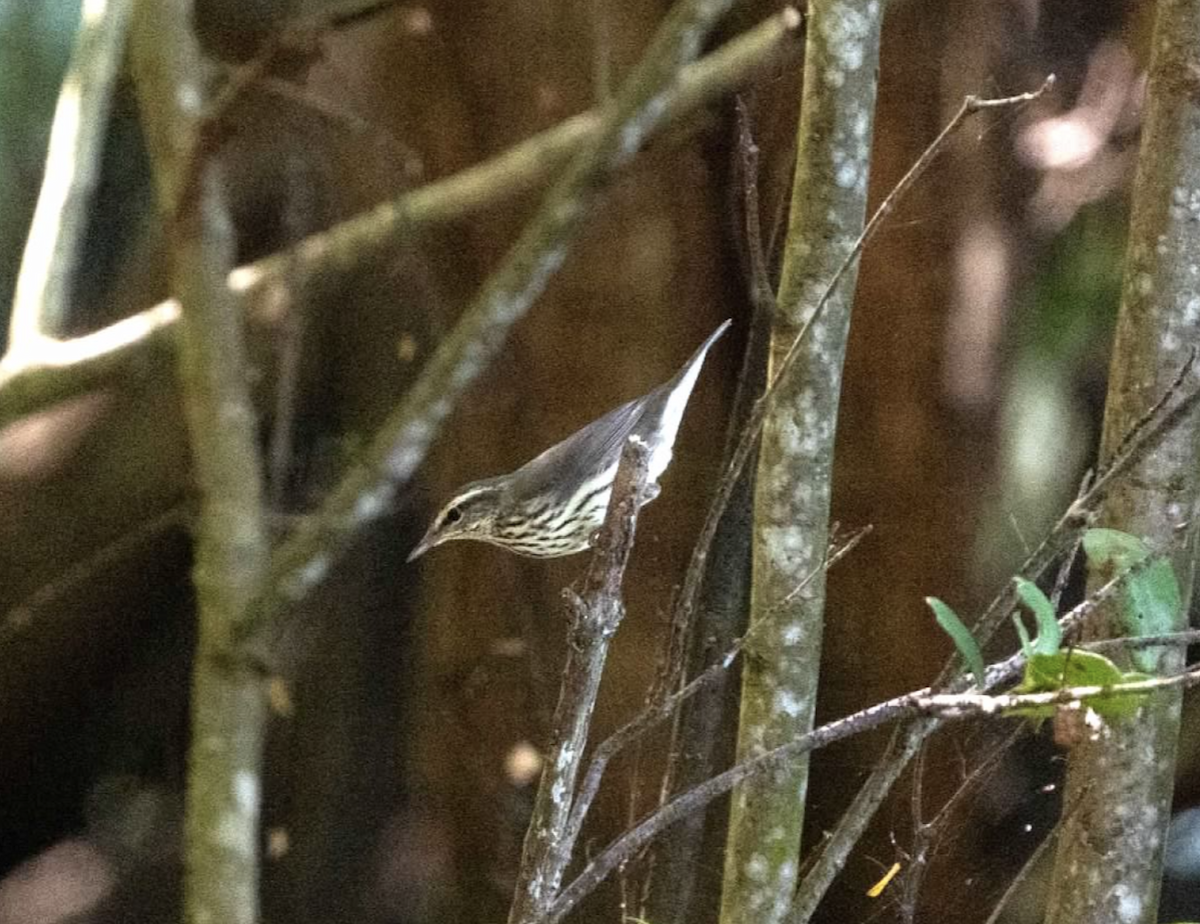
426	543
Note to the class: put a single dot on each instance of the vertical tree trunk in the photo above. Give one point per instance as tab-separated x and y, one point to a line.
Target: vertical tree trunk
792	491
1118	796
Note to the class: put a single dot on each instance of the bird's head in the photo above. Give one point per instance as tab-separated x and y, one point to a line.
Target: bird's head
470	514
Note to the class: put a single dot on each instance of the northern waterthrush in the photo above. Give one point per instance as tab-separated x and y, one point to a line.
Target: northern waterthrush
553	504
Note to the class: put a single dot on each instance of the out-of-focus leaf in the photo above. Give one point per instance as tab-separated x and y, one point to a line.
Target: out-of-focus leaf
1111	547
1151	602
963	640
1155	595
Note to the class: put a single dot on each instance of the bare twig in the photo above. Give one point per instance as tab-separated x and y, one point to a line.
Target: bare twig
957	705
926	832
686	604
632	731
52	251
761	292
595	614
921	702
20	618
705	724
76	366
1036	857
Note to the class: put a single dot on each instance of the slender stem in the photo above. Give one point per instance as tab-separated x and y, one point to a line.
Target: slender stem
41	305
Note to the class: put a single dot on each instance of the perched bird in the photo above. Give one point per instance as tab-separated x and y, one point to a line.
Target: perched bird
552	505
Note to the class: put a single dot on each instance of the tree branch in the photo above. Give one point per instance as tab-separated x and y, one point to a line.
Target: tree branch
1108	858
31	383
595	614
52	251
228	724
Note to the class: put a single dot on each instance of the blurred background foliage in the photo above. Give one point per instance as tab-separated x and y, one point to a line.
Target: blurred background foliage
399	771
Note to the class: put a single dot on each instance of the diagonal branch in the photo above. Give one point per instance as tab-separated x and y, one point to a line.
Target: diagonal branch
400	444
52	250
31	383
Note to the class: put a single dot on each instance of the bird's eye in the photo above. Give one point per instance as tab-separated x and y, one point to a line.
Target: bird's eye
453	515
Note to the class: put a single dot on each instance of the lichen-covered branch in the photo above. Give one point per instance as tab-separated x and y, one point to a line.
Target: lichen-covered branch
595	615
228	703
75	366
52	250
1108	863
794	477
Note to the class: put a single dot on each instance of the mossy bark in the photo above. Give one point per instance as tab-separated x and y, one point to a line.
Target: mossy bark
1108	866
792	493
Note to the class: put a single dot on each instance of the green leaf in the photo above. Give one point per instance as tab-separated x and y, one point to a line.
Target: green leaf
1151	603
1113	547
1049	636
1023	635
963	640
1155	595
1048	673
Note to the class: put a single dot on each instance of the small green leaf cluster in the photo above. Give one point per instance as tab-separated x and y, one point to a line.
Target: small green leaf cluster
1149	604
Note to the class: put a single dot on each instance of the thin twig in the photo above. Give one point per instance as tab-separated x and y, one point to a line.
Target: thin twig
595	615
761	291
957	705
699	730
903	706
634	730
1026	869
926	832
685	606
20	618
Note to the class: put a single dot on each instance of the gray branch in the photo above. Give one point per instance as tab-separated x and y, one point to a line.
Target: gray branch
595	614
791	527
228	721
62	370
1108	858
